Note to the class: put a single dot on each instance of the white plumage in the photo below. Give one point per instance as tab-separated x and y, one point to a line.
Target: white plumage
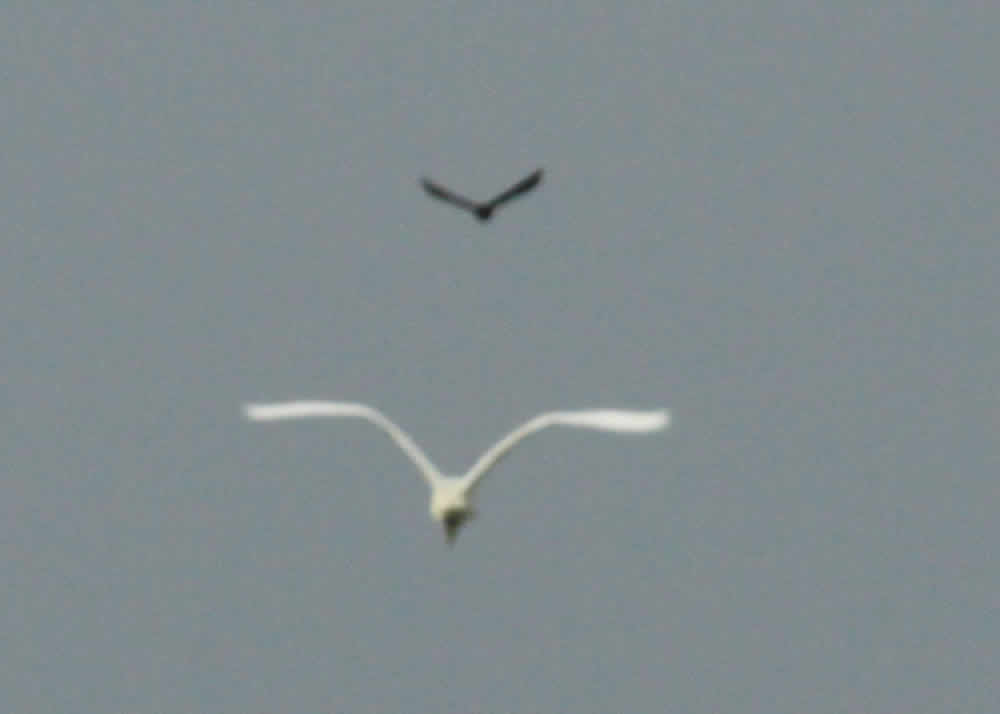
450	500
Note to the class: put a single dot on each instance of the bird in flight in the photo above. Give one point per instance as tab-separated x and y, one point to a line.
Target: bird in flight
482	211
451	496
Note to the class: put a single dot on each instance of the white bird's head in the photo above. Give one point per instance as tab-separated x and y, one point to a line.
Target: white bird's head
450	505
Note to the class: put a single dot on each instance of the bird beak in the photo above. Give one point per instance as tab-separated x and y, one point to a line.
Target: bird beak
452	522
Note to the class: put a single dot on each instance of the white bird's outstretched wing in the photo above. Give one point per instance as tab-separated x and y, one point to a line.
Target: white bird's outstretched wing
308	409
613	420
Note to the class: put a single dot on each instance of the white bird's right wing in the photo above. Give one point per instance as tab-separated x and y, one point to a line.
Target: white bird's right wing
307	409
612	420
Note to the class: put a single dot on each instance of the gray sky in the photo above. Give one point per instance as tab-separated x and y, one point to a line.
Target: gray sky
779	221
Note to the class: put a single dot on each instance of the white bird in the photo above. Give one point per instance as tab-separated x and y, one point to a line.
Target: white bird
451	496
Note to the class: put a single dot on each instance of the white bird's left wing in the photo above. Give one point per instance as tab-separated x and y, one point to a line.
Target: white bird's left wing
307	409
621	421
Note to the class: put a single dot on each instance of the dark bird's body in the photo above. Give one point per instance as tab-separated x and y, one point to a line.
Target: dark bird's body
482	211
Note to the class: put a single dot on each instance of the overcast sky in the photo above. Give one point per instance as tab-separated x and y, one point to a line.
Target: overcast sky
779	220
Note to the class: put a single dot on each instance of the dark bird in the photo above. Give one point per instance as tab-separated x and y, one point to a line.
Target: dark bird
482	211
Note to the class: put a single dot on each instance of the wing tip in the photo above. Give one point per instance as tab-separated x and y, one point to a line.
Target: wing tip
648	421
663	418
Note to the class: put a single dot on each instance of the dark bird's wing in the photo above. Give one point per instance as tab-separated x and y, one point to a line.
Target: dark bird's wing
443	194
522	186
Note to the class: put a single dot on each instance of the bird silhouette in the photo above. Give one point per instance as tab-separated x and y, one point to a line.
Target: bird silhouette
451	497
482	211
